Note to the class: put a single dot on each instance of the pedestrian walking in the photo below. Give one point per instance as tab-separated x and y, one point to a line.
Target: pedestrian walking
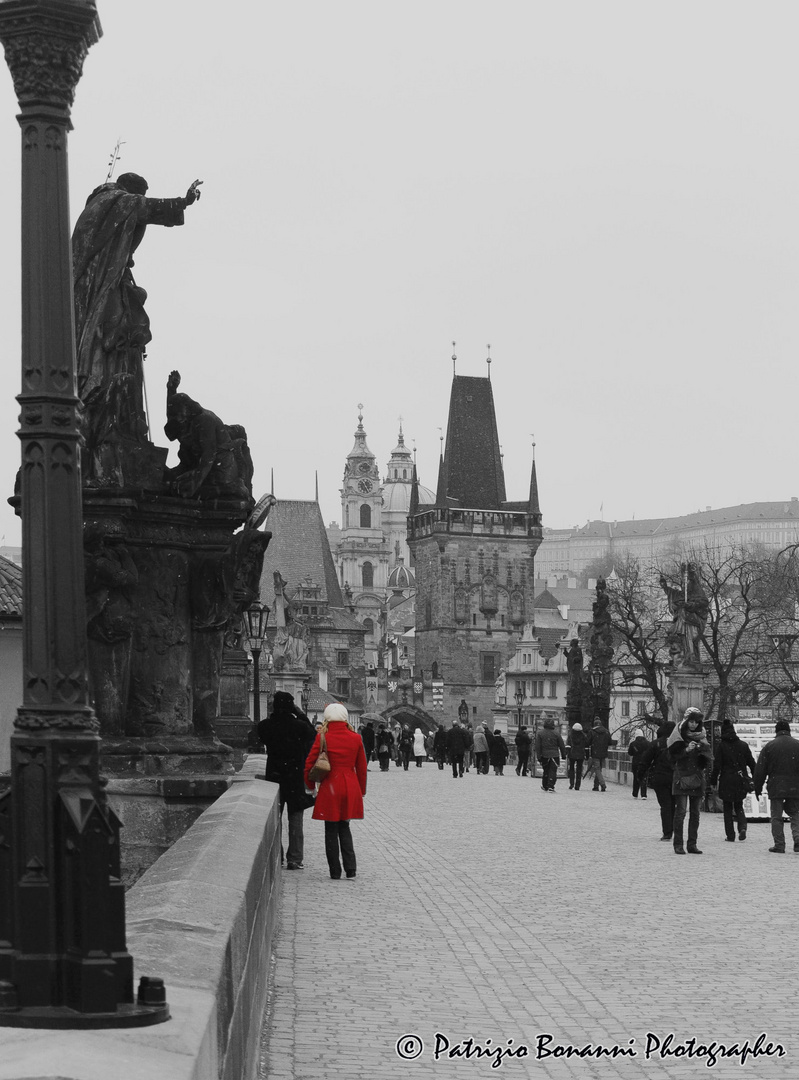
468	750
456	744
419	752
396	731
405	746
498	754
600	744
385	743
659	766
440	746
691	754
638	744
480	744
778	763
368	736
733	771
288	735
340	797
576	752
549	749
523	744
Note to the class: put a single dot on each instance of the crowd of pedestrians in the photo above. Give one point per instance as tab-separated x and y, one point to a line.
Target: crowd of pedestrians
678	765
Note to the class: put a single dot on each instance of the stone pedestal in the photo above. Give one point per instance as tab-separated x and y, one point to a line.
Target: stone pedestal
499	718
688	690
290	682
159	589
234	720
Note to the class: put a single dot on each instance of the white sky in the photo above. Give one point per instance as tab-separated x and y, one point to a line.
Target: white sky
605	192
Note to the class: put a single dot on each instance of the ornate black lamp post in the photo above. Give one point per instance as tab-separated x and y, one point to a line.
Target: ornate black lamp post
305	696
257	616
63	956
597	678
519	698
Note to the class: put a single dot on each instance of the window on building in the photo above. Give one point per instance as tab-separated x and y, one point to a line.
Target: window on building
366	516
368	624
641	708
306	610
343	688
404	474
553	687
367	575
625	708
502	620
342	657
474	620
488	661
314	611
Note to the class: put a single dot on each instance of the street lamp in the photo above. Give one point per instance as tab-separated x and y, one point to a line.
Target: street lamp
257	615
519	697
305	695
597	678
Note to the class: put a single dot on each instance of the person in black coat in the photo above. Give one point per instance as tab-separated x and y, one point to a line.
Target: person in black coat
658	766
440	746
383	744
288	736
576	752
523	742
733	762
638	744
498	754
406	746
456	746
368	738
779	762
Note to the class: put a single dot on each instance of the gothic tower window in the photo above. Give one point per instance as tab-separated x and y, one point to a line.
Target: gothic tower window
366	516
367	573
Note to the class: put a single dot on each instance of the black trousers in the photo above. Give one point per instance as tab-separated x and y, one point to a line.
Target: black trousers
338	835
734	812
666	803
524	760
457	763
639	784
575	772
481	761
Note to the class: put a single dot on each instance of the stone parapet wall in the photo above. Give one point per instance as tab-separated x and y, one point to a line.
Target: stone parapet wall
203	919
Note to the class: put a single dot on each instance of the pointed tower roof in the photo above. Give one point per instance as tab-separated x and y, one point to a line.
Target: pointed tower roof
414	505
533	506
441	486
473	472
399	466
360	449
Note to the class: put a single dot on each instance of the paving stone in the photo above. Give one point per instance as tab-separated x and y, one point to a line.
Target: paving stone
489	910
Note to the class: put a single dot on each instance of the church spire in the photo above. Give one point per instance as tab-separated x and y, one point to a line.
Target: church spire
475	477
413	508
533	506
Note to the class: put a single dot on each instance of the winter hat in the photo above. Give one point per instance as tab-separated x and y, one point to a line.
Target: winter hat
283	701
336	711
577	727
549	723
692	712
497	731
782	725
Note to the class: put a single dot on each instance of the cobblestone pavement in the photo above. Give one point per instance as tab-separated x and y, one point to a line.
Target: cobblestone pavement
486	909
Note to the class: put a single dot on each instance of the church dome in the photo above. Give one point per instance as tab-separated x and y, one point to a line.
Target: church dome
401	578
397	497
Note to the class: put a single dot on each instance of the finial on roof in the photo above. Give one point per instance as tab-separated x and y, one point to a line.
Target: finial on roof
360	416
316	477
272	490
533	438
401	436
441	439
414	452
454	357
488	361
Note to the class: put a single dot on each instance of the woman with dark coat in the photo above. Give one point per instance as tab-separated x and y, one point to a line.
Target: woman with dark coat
340	796
658	767
637	746
733	760
691	754
498	753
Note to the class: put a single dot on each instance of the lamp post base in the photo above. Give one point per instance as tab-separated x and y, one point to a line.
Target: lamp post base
61	1018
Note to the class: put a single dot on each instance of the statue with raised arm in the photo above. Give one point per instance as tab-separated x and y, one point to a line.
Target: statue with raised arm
111	325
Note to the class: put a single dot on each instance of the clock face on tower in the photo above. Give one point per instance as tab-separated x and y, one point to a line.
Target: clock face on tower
364	485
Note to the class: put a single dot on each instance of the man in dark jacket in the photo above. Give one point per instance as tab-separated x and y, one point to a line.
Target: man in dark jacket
549	749
440	746
638	744
779	762
576	751
368	739
658	766
456	746
288	736
523	743
600	743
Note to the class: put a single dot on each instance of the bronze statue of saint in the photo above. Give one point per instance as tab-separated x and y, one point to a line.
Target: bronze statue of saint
689	607
111	326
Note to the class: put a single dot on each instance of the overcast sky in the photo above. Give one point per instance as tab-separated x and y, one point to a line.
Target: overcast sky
606	192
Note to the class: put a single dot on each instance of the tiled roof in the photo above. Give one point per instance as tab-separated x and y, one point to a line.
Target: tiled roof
546	600
10	589
549	638
299	549
472	460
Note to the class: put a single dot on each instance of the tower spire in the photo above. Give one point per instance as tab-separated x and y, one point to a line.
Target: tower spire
533	506
488	362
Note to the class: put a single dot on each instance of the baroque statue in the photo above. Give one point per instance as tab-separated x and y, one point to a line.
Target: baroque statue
111	324
689	608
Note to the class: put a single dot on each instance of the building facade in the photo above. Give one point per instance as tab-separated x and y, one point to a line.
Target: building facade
772	524
473	555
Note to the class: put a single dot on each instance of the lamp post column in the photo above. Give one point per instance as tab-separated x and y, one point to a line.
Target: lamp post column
63	960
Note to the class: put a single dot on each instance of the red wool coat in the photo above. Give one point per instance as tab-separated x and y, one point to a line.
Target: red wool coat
340	796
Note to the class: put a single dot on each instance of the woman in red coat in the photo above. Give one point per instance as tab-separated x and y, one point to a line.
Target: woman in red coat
340	797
